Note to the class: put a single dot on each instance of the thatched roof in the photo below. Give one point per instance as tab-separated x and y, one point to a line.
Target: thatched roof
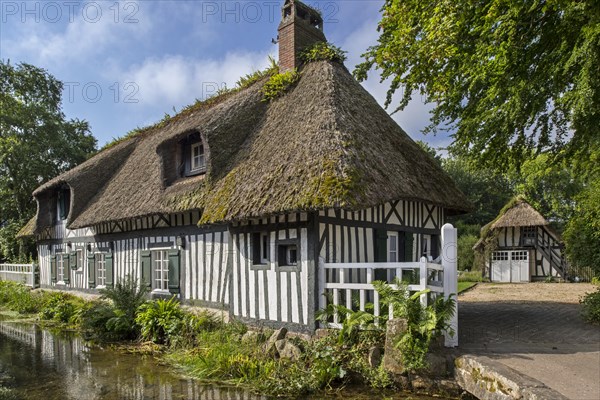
324	144
518	212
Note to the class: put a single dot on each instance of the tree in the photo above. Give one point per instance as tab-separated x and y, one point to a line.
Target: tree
508	77
36	144
487	190
582	235
551	187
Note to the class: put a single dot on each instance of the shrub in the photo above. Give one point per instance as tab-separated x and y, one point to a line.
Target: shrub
61	307
18	297
466	254
126	297
278	84
160	320
192	325
322	51
591	306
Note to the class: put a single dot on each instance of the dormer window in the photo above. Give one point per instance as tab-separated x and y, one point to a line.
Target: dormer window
63	203
194	156
197	157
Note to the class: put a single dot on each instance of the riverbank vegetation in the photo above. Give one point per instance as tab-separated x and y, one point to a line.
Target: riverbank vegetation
208	348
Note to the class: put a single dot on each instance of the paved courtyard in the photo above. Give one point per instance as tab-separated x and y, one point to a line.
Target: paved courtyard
536	329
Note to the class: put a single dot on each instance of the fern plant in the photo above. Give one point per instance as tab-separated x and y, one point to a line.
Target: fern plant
423	323
160	320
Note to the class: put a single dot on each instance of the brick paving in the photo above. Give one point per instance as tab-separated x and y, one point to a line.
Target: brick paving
546	339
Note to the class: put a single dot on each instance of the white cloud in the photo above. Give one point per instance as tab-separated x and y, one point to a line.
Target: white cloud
76	33
174	80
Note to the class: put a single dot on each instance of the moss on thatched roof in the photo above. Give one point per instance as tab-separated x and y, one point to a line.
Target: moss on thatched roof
27	230
325	144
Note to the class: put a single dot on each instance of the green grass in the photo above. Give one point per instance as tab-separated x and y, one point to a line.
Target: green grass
462	286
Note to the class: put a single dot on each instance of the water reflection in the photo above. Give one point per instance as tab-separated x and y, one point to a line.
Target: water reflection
42	365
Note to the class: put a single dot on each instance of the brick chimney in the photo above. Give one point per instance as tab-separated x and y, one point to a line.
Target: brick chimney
300	27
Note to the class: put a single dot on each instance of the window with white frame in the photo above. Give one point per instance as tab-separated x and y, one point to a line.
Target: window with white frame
79	259
100	259
60	268
392	238
197	162
160	262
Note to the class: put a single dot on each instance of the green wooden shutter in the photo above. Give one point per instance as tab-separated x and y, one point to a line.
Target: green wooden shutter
73	260
408	247
91	270
381	253
435	244
53	269
109	270
174	271
380	238
146	265
66	268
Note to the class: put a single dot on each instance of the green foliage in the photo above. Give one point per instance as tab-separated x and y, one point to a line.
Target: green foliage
591	306
160	320
8	394
322	51
487	190
20	298
249	79
61	307
508	77
353	322
582	234
550	186
127	296
32	150
466	254
424	323
471	276
279	84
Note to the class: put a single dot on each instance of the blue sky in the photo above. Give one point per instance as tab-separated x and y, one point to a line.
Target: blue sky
127	63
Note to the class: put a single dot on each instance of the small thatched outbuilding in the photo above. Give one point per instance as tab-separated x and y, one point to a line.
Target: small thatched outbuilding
232	202
521	246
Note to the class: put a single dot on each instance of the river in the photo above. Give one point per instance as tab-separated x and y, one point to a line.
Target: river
40	365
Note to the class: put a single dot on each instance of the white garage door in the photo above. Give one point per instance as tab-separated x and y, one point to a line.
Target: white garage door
510	266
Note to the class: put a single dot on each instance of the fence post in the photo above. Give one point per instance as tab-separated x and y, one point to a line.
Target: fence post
423	279
449	263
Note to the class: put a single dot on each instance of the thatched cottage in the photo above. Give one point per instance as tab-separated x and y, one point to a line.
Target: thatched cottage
231	203
521	246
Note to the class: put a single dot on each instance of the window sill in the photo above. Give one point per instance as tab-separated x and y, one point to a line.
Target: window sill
260	267
290	268
195	172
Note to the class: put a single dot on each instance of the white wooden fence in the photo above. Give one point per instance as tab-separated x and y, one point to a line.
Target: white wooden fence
22	273
356	278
